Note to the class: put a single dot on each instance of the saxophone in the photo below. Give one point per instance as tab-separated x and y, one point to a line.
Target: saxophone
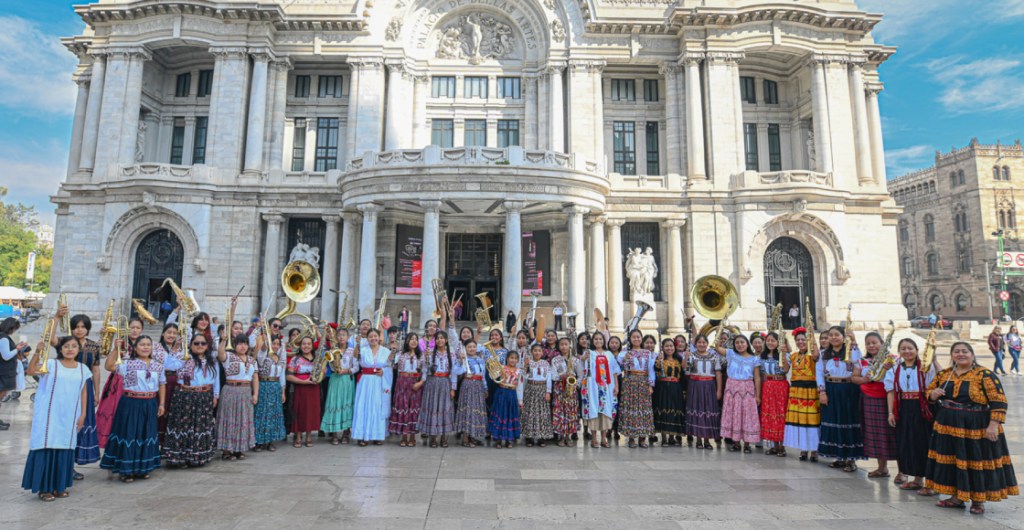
144	314
884	360
928	355
49	331
571	383
321	359
108	331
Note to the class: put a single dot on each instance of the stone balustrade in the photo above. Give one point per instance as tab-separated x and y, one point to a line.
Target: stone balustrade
172	172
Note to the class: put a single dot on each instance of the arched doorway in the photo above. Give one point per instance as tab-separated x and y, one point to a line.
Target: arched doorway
160	255
789	279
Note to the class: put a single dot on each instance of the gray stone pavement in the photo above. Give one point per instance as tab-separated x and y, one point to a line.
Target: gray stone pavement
394	487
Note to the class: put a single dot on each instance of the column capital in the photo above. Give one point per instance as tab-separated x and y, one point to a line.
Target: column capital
229	52
554	67
128	52
370	211
598	219
873	88
331	218
282	63
587	65
513	206
668	68
673	224
688	58
366	62
261	55
431	205
825	59
575	209
82	80
614	223
98	54
395	66
273	217
350	217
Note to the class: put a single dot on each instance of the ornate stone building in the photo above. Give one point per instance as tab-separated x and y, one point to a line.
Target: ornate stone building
512	147
951	212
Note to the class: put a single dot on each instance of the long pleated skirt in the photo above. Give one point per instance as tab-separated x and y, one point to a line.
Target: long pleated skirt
88	449
565	410
169	388
341	395
840	423
803	416
471	416
879	436
669	407
636	415
437	412
49	470
236	431
912	435
774	397
504	424
965	464
109	398
268	414
536	412
306	407
191	436
740	419
703	416
405	405
133	447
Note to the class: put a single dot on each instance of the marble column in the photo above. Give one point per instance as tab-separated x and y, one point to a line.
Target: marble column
132	107
430	266
347	274
512	261
532	123
226	133
614	263
598	278
597	82
279	99
673	143
78	124
875	130
365	128
271	254
397	108
368	261
555	109
352	112
328	292
420	125
822	128
861	128
577	266
257	114
92	113
694	121
676	287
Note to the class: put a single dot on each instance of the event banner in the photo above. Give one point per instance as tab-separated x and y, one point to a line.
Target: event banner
408	266
536	262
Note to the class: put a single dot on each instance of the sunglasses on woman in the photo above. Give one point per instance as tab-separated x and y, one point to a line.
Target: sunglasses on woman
199	344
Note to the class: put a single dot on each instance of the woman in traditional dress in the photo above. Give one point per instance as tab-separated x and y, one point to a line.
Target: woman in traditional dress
306	396
171	353
774	395
504	423
133	449
112	389
88	449
441	378
840	402
427	340
268	414
599	390
740	419
615	346
704	388
537	398
636	415
565	407
471	413
550	345
879	436
408	396
191	436
669	407
495	347
201	325
803	411
910	415
236	432
967	455
373	391
58	415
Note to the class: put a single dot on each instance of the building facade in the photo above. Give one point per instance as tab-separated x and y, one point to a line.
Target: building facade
507	147
948	231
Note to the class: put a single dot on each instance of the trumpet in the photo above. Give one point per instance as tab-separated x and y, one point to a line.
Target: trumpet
122	334
144	314
928	355
49	331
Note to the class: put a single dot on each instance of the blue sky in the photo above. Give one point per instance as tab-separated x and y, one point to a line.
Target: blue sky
958	74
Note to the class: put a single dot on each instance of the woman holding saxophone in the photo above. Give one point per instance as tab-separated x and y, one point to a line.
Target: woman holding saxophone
113	388
910	415
879	435
565	408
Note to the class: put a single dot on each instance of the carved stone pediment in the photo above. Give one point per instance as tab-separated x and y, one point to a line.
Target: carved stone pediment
477	36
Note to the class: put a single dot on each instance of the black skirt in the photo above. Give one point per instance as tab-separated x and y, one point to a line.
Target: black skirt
965	464
669	407
912	434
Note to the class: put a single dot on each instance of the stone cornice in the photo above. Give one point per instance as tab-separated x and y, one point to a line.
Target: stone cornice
728	57
122	51
873	87
830	58
589	65
800	14
366	62
230	52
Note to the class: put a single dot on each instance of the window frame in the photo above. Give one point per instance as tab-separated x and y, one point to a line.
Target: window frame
624	158
774	147
324	86
505	83
770	89
326	144
653	150
183	85
442	132
177	155
302	86
623	89
748	89
479	131
448	85
751	156
199	139
299	144
651	94
205	87
506	131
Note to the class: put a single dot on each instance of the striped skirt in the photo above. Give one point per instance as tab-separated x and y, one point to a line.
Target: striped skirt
88	450
503	423
740	420
339	405
965	464
437	412
133	448
235	426
565	410
471	417
191	436
636	415
536	412
774	397
879	437
269	414
405	406
803	416
840	423
703	416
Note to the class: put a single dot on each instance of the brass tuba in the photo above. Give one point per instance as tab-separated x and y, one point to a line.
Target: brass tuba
641	309
715	298
301	283
884	360
144	314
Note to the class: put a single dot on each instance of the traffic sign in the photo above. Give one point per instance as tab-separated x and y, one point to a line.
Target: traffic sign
1004	296
1011	260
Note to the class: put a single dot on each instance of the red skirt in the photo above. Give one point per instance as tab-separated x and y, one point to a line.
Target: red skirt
161	422
306	404
109	398
774	400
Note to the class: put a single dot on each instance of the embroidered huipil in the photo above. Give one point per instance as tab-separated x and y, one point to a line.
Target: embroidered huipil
741	368
598	380
908	380
195	372
836	368
771	365
237	370
638	361
140	376
270	370
447	363
300	367
703	365
172	359
539	371
560	369
671	368
408	363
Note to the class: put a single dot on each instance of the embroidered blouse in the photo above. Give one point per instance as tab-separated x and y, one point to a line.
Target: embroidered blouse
770	365
300	367
140	376
408	363
237	370
172	359
560	368
670	368
477	366
539	371
836	368
436	363
638	361
908	379
978	386
195	372
703	365
270	370
741	368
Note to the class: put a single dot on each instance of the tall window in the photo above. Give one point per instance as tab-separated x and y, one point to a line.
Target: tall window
442	133
933	264
963	258
650	90
953	181
329	86
442	86
509	88
475	87
326	144
508	133
960	178
476	132
747	92
904	232
995	173
299	145
1006	173
183	86
178	141
774	148
935	302
302	86
907	267
750	145
961	302
199	140
623	90
929	228
651	135
205	87
624	147
771	92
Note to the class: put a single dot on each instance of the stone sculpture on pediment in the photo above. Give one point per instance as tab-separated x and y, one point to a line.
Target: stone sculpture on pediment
476	37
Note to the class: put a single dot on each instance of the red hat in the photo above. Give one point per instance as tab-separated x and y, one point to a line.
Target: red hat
334	325
799	330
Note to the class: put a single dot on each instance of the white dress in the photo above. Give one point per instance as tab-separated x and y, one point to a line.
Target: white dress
373	395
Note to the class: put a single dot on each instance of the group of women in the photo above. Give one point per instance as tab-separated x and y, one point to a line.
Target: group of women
181	403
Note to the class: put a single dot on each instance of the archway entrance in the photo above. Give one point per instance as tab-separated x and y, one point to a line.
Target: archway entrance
159	256
789	279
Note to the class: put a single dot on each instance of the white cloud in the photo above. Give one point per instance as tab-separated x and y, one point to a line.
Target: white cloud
32	173
980	85
907	159
35	70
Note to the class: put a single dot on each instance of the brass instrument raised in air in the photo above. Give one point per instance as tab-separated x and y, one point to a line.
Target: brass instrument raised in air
108	331
144	314
775	322
809	324
571	382
928	355
49	331
483	313
187	301
345	321
379	317
321	359
641	309
531	315
230	321
715	298
301	283
65	321
441	302
885	359
122	334
849	331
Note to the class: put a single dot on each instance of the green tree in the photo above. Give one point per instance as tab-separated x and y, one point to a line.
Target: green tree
16	241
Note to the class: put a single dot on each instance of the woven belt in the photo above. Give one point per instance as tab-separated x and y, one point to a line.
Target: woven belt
953	405
537	382
910	395
269	379
837	380
139	395
371	371
238	383
774	378
669	379
510	387
171	372
636	372
408	374
701	378
474	378
441	374
202	388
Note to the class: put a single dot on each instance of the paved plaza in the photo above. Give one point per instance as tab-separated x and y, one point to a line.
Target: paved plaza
393	487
